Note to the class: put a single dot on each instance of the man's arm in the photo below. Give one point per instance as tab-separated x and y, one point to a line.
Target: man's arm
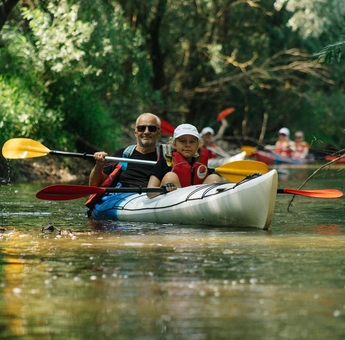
97	176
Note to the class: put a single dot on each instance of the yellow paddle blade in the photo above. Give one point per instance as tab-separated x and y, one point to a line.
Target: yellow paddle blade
248	149
20	148
239	170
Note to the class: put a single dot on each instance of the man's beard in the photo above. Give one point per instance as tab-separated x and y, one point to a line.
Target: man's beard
146	143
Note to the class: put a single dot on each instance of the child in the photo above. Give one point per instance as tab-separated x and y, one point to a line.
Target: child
185	166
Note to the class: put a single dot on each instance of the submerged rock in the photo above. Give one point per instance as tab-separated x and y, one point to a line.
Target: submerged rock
48	229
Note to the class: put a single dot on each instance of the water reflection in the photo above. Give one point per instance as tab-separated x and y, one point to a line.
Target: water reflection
107	280
328	229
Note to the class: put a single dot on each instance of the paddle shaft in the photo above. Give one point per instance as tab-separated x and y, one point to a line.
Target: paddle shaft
139	190
108	158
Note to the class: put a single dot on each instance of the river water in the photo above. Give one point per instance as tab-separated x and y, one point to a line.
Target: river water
148	281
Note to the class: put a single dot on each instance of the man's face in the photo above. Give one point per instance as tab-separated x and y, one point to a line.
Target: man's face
144	136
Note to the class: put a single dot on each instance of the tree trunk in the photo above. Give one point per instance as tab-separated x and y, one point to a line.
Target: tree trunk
6	7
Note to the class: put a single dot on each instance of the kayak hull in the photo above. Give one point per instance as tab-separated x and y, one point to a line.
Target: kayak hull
270	158
247	204
332	158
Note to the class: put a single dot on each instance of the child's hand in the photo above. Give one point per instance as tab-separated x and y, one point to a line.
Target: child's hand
169	186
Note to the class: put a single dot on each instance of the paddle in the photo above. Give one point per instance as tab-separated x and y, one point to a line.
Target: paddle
248	149
21	148
238	170
223	114
318	193
167	128
252	149
61	192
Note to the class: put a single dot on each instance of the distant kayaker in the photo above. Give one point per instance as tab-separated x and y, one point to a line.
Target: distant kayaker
187	164
207	134
147	132
214	151
300	148
284	145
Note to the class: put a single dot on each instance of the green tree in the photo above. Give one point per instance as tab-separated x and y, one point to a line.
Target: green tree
94	66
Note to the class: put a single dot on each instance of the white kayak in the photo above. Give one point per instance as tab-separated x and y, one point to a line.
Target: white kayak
214	162
249	203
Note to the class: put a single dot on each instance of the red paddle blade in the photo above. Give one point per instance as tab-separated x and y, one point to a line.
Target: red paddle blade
63	192
223	114
167	128
321	193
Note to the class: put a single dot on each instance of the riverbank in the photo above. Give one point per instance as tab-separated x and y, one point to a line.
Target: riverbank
48	169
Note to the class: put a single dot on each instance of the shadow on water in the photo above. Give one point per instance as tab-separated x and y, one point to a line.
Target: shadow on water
107	280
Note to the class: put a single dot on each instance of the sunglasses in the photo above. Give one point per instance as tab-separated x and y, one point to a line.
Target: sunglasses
151	128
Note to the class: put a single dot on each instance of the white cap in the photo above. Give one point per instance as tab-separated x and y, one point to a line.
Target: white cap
186	129
207	130
284	131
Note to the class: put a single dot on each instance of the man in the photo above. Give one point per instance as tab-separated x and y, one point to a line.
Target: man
147	132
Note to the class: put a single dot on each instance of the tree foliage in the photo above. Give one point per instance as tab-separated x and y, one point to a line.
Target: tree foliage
315	19
76	70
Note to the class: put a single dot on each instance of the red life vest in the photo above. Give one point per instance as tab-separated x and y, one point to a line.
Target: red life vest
300	147
283	148
301	150
190	174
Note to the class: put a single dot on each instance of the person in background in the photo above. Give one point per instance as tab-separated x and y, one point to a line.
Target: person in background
147	132
212	149
300	148
207	134
283	146
187	164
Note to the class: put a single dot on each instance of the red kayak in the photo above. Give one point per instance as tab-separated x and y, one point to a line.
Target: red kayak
332	158
265	157
271	158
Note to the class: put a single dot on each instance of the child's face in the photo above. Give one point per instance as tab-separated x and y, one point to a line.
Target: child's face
186	145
